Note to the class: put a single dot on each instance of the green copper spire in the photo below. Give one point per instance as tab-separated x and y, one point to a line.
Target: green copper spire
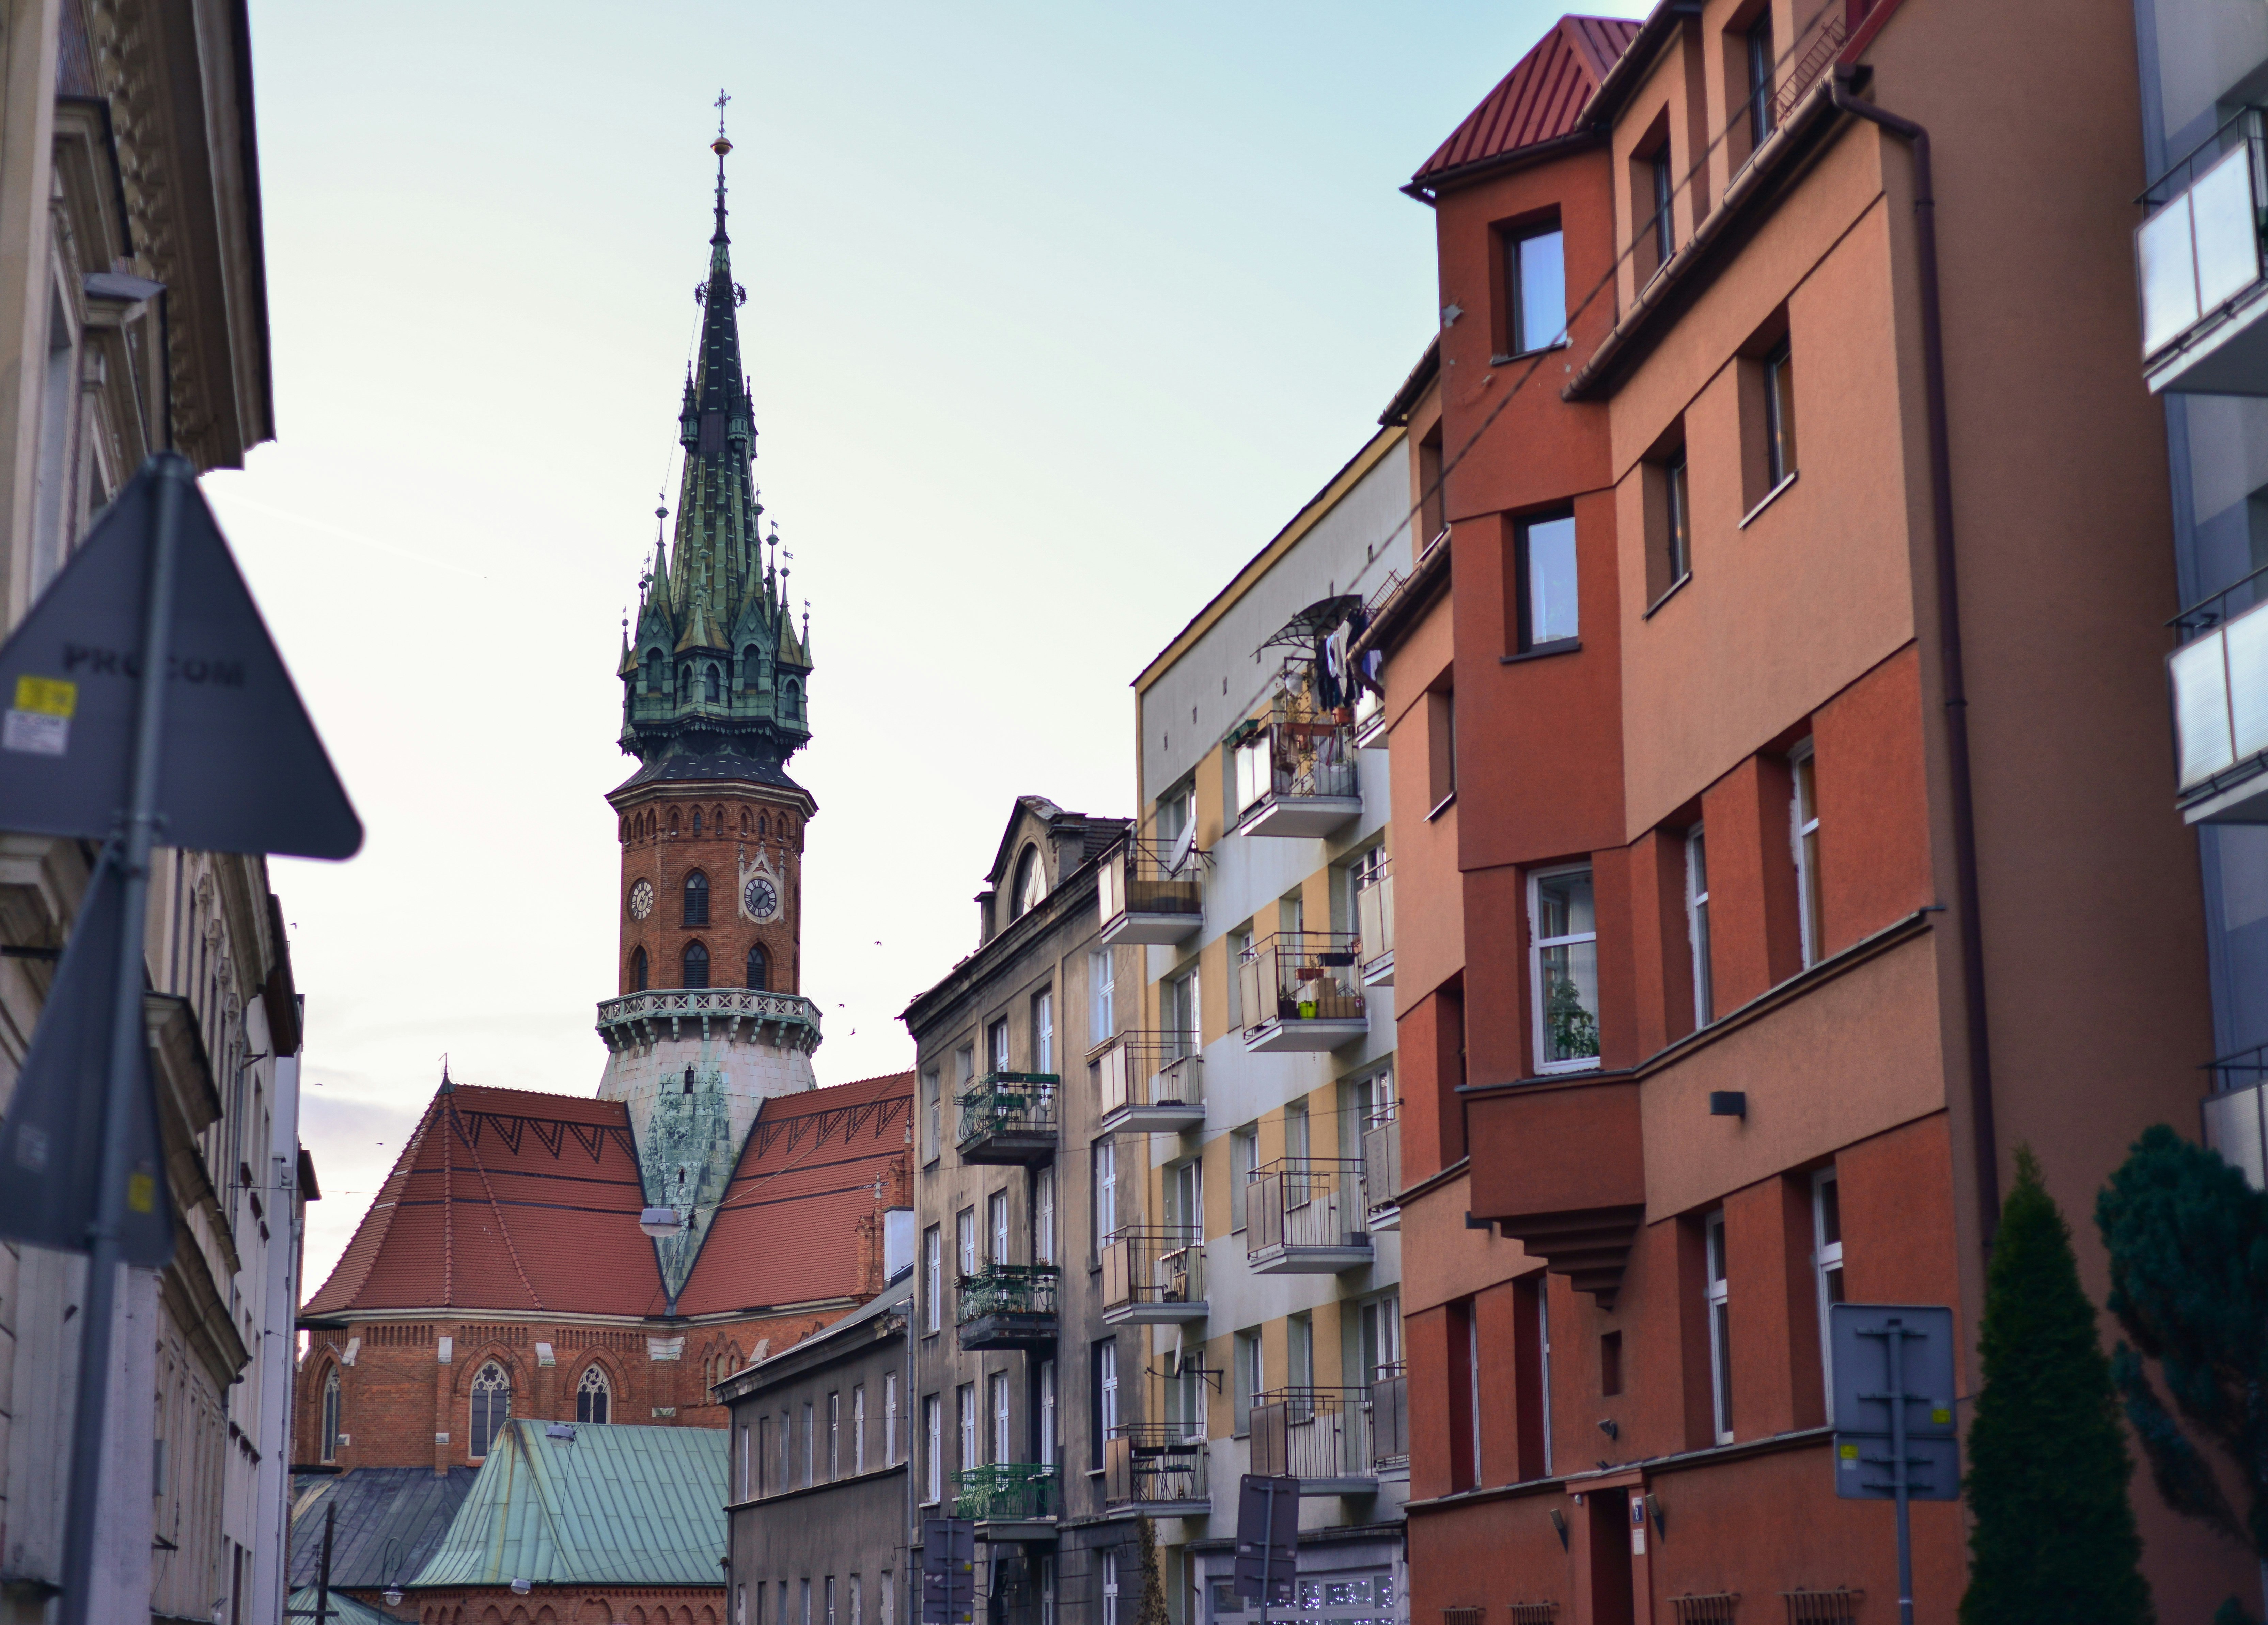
716	669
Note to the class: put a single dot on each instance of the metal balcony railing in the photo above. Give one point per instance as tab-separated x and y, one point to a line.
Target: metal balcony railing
1320	1436
1154	1273
1292	759
1300	976
1151	891
1150	1081
2197	257
1008	1288
1381	1168
1009	1116
1007	1492
1389	1416
1373	924
1154	1465
1307	1214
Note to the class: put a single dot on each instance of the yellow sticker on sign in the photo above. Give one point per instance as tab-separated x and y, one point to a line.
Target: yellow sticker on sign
1940	1415
140	1192
46	696
1849	1453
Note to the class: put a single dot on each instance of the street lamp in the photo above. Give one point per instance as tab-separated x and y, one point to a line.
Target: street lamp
393	1595
659	1222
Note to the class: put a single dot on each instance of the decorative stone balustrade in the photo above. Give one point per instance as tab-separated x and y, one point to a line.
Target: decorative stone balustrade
738	1015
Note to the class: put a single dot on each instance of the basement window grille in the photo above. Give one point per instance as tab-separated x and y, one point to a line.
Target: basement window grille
1534	1613
1839	1607
1463	1616
1705	1608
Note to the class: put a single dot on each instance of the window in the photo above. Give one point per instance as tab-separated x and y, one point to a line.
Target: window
1546	582
696	887
1663	222
653	671
713	685
1610	1363
1243	1156
995	1044
933	1113
830	1600
1803	815
1004	1448
594	1397
492	1408
1299	1350
696	966
1538	279
1044	1032
1106	1389
932	1279
810	1445
764	1457
857	1604
1106	1190
1110	1585
1043	1216
1441	747
331	1415
1184	1191
964	1411
1677	526
1245	1358
1721	1327
1102	1005
1696	926
637	971
997	1211
1051	1441
1048	1615
1382	1339
1544	1359
803	1592
889	1419
1564	983
1827	1260
1779	415
858	1428
759	969
1465	1394
964	1241
835	1436
1760	79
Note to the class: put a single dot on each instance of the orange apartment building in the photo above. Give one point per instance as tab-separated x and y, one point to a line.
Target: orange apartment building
1778	674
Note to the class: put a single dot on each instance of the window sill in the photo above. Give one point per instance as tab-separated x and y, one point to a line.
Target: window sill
1769	498
1671	592
1442	805
1568	1068
1561	342
1544	651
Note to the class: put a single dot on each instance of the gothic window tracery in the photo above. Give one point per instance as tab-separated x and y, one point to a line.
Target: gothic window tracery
696	966
696	888
492	1408
593	1397
331	1415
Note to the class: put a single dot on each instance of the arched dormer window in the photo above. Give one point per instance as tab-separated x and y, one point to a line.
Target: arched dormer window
653	678
331	1415
594	1397
696	966
752	669
715	686
1031	887
696	891
792	701
492	1408
759	969
637	971
684	683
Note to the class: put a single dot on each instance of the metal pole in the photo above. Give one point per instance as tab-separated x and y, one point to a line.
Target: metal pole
323	1575
1895	1335
129	850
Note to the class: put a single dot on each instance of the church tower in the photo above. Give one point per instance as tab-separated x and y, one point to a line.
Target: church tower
709	1018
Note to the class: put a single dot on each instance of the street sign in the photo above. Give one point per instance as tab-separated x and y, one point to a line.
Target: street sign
241	769
1894	1414
948	1571
1267	1538
51	1139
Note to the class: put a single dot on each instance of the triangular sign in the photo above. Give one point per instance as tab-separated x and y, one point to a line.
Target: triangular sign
51	1139
243	770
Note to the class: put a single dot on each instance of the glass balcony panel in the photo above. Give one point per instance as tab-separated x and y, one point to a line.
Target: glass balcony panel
2165	248
2247	637
2200	674
2225	226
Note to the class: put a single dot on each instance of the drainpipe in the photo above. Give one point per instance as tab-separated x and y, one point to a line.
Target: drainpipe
1948	645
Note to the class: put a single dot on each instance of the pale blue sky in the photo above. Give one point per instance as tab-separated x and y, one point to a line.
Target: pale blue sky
1056	312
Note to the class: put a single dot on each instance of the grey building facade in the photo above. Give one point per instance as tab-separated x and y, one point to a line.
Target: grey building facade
816	1521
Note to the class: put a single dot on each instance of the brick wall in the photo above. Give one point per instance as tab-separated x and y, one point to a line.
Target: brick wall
651	1605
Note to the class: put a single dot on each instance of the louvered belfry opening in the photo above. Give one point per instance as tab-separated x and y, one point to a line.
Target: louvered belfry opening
696	905
696	966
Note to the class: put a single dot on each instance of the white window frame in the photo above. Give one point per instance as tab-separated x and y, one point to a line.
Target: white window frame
1826	1262
964	1423
1004	1445
1101	997
1243	1158
1537	942
1050	1439
1717	1281
1697	925
1106	1389
1110	1585
1043	1216
964	1241
858	1428
1105	1158
997	1225
889	1419
1803	844
1044	1032
932	1279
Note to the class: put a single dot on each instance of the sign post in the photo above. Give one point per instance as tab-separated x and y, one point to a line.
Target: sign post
1894	1387
1267	1539
948	1571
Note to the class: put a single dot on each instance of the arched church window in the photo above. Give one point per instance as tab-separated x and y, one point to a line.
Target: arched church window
759	969
714	692
696	966
793	703
716	817
744	820
1031	887
684	682
696	820
696	888
751	668
653	671
637	971
673	820
331	1415
491	1406
593	1397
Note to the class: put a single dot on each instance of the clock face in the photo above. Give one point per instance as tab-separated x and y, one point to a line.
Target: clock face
762	898
641	900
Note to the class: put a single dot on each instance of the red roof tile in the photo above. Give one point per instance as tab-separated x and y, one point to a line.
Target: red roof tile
1539	100
787	1231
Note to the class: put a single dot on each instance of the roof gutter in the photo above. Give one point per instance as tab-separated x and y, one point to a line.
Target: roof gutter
1427	189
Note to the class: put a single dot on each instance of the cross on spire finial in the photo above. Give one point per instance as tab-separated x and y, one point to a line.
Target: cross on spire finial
722	98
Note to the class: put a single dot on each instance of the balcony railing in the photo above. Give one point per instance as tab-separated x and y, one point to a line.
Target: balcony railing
2220	710
1151	891
1373	925
1151	1083
1389	1417
1153	1274
1010	1117
1301	991
2198	258
737	1015
1381	1173
1008	1306
1296	776
1155	1467
1320	1436
1018	1492
1305	1216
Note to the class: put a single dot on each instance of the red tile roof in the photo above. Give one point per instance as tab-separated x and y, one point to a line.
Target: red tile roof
787	1231
1539	100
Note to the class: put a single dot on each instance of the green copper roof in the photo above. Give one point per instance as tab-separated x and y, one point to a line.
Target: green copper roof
344	1609
612	1506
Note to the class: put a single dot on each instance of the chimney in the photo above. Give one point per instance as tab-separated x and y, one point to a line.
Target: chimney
897	1242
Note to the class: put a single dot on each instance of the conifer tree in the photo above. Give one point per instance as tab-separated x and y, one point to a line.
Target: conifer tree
2053	1541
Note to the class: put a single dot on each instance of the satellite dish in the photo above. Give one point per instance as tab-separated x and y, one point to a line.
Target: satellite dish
1183	845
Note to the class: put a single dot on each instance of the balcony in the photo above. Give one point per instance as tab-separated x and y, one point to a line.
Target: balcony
1010	1500
1389	1420
1009	1118
1301	991
1295	775
1152	892
2204	320
2220	682
1156	1467
1304	1217
737	1015
1008	1306
1153	1275
1560	1168
1373	925
1151	1083
1319	1436
1369	721
1382	1175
